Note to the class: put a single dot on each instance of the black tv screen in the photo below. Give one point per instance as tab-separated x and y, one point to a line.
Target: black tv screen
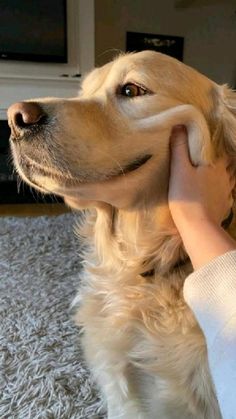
33	30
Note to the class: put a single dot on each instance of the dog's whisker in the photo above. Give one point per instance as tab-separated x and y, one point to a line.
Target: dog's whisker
113	51
18	183
116	162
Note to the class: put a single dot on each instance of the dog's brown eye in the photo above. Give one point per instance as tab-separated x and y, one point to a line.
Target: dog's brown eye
132	90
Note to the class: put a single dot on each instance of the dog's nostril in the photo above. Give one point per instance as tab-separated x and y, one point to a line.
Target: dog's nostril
19	121
24	115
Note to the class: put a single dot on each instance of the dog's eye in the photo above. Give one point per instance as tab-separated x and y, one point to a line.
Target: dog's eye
132	90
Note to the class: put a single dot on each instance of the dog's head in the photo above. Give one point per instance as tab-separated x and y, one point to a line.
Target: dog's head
111	143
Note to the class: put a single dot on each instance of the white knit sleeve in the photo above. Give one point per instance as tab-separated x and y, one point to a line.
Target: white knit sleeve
211	294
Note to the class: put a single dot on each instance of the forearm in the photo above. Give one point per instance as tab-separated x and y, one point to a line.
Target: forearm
204	240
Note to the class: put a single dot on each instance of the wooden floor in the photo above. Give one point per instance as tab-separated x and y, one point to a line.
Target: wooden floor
32	210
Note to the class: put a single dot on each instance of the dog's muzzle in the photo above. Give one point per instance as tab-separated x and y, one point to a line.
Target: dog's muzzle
25	117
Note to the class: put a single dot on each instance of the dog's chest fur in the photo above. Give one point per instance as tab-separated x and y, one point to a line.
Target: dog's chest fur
140	337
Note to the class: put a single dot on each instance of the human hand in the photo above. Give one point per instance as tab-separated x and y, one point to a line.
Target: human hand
197	193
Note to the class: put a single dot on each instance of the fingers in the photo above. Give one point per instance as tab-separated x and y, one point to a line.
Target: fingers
179	147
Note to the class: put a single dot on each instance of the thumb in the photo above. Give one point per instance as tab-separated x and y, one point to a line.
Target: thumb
179	147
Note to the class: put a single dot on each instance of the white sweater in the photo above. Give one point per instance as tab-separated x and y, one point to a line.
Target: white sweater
211	294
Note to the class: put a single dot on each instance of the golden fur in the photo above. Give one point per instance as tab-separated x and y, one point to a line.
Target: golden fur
141	341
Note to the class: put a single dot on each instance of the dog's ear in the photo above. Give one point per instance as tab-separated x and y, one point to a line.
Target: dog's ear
199	138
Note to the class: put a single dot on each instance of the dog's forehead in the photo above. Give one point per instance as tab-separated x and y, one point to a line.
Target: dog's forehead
153	70
143	67
156	69
131	67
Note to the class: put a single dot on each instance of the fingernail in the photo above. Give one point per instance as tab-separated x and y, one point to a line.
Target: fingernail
178	129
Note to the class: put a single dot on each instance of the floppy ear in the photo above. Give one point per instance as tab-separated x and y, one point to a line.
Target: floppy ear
199	139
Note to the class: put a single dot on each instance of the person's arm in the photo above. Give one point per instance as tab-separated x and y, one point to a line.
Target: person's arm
199	199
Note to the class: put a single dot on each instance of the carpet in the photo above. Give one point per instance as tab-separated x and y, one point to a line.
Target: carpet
42	373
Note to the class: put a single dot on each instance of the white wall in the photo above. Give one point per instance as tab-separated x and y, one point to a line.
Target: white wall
209	31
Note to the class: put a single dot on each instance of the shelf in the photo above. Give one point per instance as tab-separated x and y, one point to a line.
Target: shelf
66	79
3	114
19	88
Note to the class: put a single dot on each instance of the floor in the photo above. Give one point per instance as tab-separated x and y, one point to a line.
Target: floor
32	210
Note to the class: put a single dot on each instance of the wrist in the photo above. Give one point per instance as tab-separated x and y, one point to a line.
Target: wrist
204	240
190	219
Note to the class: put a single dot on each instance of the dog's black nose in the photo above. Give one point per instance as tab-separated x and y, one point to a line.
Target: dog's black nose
25	115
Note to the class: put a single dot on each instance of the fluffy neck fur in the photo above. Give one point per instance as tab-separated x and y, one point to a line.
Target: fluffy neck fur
134	241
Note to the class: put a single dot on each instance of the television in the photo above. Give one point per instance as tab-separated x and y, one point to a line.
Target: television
33	30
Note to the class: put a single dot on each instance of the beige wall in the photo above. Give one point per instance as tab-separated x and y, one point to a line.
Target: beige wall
209	31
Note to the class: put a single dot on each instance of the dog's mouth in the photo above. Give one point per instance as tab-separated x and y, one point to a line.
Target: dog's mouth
40	176
140	161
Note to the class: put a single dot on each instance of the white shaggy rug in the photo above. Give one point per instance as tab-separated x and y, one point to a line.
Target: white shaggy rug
42	374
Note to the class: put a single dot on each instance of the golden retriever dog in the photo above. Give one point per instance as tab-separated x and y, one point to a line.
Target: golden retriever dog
107	150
